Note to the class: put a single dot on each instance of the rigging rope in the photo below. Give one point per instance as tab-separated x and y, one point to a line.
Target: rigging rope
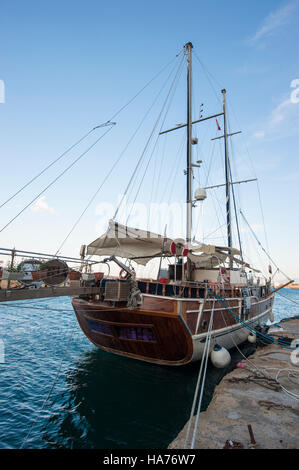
175	169
247	324
259	369
47	167
259	243
207	73
107	123
236	216
156	181
172	88
112	168
143	88
36	308
55	179
52	386
254	172
141	157
291	300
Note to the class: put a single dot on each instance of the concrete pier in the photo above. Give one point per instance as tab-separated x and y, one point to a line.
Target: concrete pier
249	410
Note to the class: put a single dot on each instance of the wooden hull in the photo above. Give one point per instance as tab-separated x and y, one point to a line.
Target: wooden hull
176	349
165	330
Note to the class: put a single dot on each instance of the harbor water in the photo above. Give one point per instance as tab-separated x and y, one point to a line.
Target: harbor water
60	391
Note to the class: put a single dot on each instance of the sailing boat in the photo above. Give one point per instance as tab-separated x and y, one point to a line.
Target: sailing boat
166	321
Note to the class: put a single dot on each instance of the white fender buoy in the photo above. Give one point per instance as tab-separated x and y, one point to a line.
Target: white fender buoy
220	357
271	317
251	338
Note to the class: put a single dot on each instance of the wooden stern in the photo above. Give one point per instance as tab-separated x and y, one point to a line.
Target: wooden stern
154	333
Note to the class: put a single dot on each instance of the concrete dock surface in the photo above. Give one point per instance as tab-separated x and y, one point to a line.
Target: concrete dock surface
249	408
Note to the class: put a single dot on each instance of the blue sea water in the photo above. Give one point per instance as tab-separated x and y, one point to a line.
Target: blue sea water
99	400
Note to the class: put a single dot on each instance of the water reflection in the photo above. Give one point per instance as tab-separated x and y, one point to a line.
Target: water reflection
114	402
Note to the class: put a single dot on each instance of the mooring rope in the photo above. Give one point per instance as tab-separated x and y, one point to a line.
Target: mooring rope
52	386
35	308
263	336
203	364
290	300
259	370
203	379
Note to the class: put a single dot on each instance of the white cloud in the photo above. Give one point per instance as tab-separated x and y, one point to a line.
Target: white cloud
274	21
281	112
288	178
42	206
251	68
283	121
259	134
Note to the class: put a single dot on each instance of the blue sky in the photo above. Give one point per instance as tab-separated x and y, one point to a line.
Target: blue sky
70	65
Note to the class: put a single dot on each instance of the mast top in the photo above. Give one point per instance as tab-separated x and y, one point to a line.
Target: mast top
188	44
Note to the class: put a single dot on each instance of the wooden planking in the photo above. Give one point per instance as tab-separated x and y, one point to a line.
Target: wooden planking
190	317
222	317
173	344
219	314
260	306
159	304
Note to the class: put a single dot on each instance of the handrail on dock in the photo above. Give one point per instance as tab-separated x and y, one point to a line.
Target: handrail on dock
7	295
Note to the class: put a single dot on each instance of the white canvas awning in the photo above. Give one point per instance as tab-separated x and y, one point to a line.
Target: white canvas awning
212	249
132	243
142	245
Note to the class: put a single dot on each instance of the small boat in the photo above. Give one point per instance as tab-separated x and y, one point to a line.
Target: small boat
208	289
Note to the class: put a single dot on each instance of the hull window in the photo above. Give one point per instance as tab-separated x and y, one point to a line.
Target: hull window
100	327
137	333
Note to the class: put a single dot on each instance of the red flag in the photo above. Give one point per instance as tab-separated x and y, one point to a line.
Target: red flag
185	250
270	269
173	248
219	128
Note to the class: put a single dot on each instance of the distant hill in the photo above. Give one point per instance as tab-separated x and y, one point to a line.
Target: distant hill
295	284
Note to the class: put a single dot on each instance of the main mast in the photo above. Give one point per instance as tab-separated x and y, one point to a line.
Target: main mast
189	47
189	202
227	177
